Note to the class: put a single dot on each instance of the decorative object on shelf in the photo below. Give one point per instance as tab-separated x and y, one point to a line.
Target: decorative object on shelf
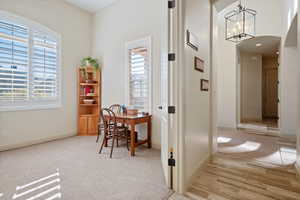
204	85
240	24
199	64
90	94
88	101
89	64
192	40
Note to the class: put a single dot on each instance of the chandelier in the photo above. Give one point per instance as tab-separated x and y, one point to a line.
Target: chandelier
240	24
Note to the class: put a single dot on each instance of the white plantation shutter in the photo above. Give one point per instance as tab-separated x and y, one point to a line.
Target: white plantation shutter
139	78
13	62
29	67
44	66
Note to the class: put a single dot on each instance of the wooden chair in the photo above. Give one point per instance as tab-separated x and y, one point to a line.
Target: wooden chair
112	130
116	108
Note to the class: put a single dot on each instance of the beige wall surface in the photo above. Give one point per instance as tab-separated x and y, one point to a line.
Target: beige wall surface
251	86
288	69
113	26
196	102
19	128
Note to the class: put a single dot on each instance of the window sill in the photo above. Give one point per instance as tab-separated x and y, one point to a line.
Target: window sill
30	107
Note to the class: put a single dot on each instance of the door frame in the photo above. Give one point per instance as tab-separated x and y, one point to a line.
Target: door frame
175	95
179	98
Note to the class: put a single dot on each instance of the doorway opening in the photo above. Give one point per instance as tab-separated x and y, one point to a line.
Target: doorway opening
248	82
258	96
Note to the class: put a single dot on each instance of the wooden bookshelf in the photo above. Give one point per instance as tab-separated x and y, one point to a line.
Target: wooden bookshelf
89	88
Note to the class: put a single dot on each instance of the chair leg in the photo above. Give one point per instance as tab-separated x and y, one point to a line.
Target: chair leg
117	142
103	142
98	137
127	142
112	147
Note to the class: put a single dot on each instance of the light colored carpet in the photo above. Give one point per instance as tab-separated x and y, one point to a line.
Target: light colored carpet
84	174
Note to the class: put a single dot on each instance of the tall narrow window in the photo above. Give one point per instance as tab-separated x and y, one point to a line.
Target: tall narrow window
139	75
29	65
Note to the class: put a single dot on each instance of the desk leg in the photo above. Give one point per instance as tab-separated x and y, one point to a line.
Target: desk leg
149	133
132	139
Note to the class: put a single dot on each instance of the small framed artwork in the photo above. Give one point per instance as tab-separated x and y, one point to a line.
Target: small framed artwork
204	85
199	64
191	40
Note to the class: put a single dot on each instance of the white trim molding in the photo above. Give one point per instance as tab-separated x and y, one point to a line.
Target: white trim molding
38	141
35	103
143	42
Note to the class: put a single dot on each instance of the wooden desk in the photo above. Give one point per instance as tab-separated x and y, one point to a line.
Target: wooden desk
132	121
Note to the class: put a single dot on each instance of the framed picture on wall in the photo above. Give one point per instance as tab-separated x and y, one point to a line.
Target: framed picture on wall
191	40
204	85
199	64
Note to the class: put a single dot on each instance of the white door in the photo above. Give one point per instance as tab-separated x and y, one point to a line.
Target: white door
166	90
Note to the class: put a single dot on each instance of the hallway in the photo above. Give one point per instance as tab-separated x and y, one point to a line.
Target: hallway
248	167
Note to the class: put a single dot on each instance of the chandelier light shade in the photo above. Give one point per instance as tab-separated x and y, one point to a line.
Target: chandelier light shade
240	24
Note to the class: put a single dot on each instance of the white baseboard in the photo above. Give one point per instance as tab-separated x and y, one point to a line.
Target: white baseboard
33	142
226	129
289	137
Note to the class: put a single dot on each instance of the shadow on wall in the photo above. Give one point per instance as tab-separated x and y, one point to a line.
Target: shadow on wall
292	35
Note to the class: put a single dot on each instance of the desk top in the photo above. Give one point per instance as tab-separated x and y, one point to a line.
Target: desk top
138	116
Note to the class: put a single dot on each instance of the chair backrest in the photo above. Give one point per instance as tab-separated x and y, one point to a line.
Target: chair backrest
116	108
109	119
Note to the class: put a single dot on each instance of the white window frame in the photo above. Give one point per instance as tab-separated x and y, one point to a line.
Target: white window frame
143	42
37	104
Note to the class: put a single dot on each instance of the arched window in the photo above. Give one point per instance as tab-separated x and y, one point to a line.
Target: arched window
29	65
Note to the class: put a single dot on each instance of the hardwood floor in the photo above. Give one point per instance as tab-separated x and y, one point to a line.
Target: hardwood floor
248	173
224	179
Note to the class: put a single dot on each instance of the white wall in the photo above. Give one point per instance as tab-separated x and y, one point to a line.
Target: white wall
214	83
196	102
26	127
289	11
268	11
251	86
288	74
114	26
288	95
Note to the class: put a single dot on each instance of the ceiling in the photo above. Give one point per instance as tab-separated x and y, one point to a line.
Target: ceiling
221	4
269	45
91	5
